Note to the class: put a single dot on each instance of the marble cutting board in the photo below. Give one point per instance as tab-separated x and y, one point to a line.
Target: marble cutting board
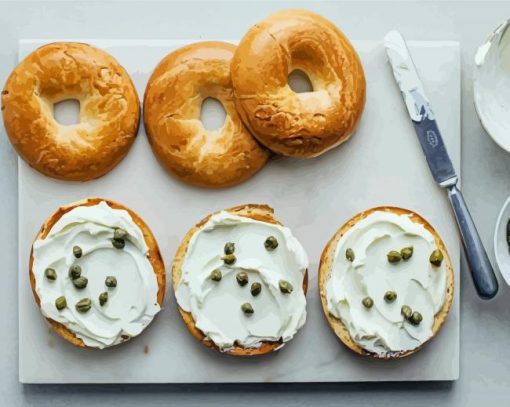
381	165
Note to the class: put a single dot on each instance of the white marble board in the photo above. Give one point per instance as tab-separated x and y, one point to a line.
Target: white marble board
381	165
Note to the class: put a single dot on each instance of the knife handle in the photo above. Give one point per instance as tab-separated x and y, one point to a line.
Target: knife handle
483	275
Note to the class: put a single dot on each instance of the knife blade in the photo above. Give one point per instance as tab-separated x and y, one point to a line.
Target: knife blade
441	167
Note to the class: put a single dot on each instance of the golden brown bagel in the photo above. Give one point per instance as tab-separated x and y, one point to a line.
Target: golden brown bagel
109	111
172	104
298	124
326	262
263	213
153	256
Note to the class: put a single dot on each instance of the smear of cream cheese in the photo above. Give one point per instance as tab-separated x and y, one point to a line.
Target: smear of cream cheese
382	328
491	86
216	306
131	305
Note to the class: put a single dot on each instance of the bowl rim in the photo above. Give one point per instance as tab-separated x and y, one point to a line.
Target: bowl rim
497	229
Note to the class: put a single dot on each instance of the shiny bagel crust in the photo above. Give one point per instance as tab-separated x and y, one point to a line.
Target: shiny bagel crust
109	111
298	124
172	104
326	264
263	213
154	257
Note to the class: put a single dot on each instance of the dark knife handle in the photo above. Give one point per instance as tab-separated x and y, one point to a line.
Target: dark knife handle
481	270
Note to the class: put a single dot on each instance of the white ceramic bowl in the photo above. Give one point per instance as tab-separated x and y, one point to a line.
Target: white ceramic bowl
491	85
501	249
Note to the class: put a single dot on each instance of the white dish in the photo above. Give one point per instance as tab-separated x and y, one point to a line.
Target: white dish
491	85
501	249
381	165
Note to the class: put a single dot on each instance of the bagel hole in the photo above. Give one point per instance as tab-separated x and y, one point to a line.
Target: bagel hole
212	114
67	112
299	81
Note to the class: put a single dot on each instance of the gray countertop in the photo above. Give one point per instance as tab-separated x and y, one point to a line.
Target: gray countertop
485	327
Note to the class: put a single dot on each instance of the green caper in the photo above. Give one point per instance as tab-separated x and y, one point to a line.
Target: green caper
416	318
406	311
255	289
229	259
118	243
77	252
83	305
242	278
110	281
285	287
367	302
436	258
247	308
390	296
50	274
74	271
271	243
407	252
394	256
229	248
60	303
119	234
215	275
80	282
349	255
103	297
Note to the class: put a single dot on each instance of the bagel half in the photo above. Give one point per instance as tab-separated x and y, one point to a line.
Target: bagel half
326	263
263	213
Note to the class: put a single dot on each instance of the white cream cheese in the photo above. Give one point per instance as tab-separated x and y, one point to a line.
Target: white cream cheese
131	305
216	306
491	85
382	329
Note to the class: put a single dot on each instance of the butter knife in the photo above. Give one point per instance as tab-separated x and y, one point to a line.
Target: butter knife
438	160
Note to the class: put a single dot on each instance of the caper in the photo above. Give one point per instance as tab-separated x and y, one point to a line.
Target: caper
406	311
255	289
74	271
103	297
83	305
77	251
271	243
349	255
394	256
229	248
247	308
80	282
215	275
119	234
118	243
50	274
60	303
390	296
367	302
436	258
229	259
242	278
416	318
110	281
285	287
407	252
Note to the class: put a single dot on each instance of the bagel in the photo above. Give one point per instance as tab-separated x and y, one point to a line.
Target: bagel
263	214
333	255
298	124
109	111
172	104
45	290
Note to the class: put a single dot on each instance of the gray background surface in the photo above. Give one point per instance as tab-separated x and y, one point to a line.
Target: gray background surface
485	328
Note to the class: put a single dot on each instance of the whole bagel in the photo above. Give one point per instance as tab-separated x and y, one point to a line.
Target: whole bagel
172	103
109	111
298	124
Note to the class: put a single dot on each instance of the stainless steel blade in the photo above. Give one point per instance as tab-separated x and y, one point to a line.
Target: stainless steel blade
419	109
